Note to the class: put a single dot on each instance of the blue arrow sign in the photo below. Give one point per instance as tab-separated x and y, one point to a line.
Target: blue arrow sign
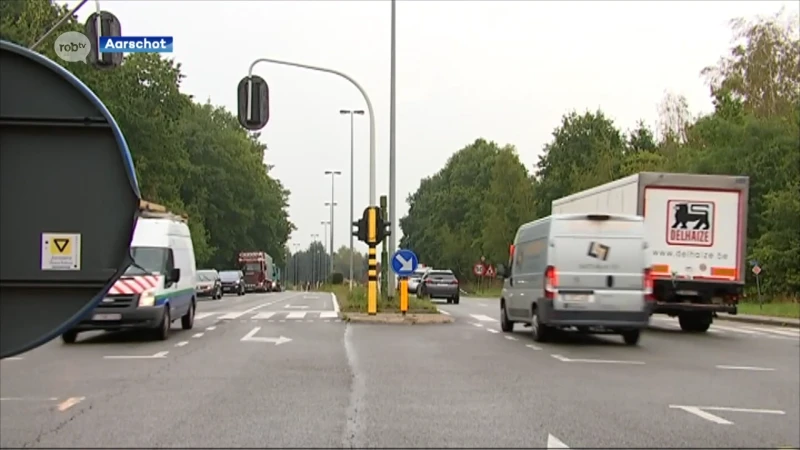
404	262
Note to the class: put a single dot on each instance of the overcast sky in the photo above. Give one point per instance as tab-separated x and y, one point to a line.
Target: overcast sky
504	71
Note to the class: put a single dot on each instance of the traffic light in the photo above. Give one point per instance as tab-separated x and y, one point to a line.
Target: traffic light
102	24
361	230
383	228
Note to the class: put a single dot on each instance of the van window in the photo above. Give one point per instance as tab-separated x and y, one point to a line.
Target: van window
154	259
530	256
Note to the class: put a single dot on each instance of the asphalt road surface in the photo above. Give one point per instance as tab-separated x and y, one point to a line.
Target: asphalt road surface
280	370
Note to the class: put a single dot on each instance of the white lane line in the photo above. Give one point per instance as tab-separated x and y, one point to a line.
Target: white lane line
510	338
479	325
69	403
198	335
181	343
25	399
702	411
492	330
757	369
211	328
702	414
328	315
236	315
202	315
155	356
483	318
554	442
737	330
596	361
790	333
264	315
335	303
441	311
14	358
296	315
533	347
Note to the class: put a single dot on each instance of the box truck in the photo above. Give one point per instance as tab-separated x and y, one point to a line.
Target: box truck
696	236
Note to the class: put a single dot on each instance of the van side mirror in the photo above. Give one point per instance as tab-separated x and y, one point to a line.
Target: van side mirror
500	271
174	275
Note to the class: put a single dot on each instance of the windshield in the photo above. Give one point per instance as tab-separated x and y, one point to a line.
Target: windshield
208	275
441	275
154	259
252	267
229	275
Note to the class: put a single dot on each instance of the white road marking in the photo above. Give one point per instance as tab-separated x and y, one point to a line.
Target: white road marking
202	315
737	330
441	311
761	369
702	411
236	315
181	343
479	325
596	361
198	335
554	442
155	356
264	315
335	303
211	328
510	338
533	347
69	403
296	315
483	318
296	307
251	337
482	304
492	330
50	399
328	315
14	358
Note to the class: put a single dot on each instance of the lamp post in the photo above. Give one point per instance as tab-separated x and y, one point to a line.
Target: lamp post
325	224
392	148
333	174
313	250
351	113
296	247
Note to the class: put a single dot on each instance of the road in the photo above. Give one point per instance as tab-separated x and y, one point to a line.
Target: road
279	370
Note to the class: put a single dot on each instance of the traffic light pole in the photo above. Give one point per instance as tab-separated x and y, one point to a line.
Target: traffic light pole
385	290
372	262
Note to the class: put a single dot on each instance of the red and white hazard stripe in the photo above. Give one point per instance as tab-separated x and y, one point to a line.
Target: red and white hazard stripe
134	285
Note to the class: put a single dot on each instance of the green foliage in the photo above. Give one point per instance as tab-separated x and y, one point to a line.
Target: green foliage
473	206
336	278
190	157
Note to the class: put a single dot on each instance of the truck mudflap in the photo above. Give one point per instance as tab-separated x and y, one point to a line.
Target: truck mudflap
675	308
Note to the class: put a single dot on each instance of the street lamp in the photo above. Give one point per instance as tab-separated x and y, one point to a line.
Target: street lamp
325	224
392	148
295	263
333	174
314	237
351	112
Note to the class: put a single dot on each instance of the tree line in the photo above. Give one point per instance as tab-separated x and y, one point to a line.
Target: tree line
313	264
474	204
192	157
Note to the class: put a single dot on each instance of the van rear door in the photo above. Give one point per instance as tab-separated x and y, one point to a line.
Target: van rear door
599	262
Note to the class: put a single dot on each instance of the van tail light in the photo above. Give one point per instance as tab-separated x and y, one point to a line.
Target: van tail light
648	285
550	282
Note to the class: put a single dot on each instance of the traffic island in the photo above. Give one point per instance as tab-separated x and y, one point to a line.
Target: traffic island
397	318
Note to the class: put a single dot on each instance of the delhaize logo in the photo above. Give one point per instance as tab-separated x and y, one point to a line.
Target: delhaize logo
691	223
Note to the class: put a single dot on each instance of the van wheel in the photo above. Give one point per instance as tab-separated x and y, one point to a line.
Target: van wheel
631	337
69	337
187	321
162	332
506	325
539	331
695	322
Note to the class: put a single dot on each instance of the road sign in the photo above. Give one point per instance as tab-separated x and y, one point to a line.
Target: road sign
756	270
404	262
489	271
478	269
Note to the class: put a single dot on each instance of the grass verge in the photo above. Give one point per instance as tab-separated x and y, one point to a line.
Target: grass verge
785	309
356	301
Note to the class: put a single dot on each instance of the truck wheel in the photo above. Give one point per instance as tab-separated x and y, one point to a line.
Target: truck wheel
69	337
506	325
631	337
187	321
695	322
539	331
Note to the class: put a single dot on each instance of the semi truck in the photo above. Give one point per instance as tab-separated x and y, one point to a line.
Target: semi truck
696	236
258	271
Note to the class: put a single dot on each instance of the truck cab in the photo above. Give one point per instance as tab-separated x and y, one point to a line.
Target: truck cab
257	268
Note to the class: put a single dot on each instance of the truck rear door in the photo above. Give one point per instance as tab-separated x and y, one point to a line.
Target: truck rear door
599	263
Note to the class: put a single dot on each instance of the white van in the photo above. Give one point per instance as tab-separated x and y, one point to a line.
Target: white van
158	288
585	271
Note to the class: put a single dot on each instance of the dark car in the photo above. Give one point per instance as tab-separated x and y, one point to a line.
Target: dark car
232	282
440	284
209	284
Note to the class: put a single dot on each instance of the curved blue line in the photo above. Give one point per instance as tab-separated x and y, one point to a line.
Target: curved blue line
90	95
126	158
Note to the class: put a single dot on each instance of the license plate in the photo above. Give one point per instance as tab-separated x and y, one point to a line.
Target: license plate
575	298
107	317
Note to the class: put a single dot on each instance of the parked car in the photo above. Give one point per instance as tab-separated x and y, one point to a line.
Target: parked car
586	271
232	282
439	283
209	284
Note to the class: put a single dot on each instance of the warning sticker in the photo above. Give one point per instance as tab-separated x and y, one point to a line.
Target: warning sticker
61	251
690	223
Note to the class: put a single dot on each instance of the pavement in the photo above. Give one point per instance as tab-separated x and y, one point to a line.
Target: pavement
280	370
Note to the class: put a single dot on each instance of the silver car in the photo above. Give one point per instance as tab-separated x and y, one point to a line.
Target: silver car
414	279
440	284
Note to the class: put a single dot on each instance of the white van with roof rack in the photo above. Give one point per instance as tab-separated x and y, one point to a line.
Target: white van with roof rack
585	271
158	288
